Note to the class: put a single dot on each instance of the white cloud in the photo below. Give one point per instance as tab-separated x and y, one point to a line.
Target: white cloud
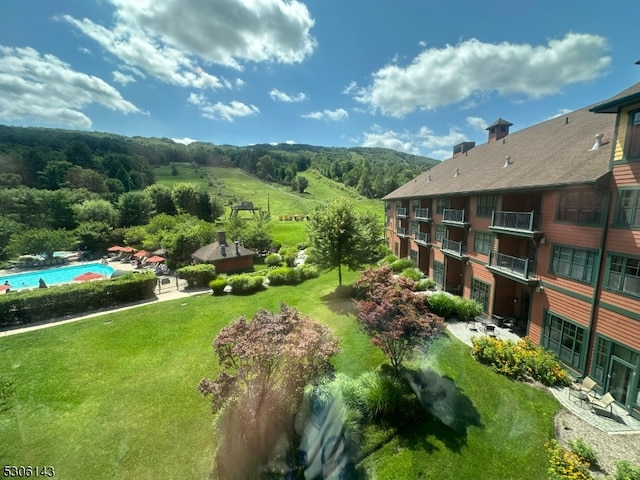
279	96
429	140
381	138
43	88
458	73
290	142
329	115
171	39
184	141
438	146
477	123
123	78
221	111
561	111
351	88
85	50
239	82
439	154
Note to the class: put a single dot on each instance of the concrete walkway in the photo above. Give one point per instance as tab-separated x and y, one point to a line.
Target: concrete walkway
621	421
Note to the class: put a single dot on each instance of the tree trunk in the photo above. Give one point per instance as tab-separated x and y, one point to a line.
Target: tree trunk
339	275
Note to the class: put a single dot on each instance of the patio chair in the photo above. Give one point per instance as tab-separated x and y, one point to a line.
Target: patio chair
604	404
585	386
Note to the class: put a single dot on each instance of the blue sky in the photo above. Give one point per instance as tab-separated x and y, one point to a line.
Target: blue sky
414	75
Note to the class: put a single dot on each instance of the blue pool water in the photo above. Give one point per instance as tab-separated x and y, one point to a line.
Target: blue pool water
53	276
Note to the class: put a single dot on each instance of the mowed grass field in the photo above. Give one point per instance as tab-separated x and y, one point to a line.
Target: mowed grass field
115	396
279	200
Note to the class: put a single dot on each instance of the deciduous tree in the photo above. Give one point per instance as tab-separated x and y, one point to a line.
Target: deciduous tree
338	235
266	363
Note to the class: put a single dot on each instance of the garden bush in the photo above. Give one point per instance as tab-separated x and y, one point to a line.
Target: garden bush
307	271
467	308
626	470
584	451
273	260
218	285
413	273
245	283
283	276
382	395
564	464
388	260
442	304
197	275
402	264
289	255
520	360
425	284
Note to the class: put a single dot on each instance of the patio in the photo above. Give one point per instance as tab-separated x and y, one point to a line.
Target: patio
619	423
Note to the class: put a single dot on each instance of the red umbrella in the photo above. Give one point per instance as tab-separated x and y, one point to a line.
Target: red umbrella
115	248
4	287
155	259
128	249
87	276
141	253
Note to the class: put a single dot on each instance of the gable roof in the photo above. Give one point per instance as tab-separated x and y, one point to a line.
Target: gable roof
627	97
553	153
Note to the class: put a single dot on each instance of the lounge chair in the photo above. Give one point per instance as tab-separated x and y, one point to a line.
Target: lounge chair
585	386
604	403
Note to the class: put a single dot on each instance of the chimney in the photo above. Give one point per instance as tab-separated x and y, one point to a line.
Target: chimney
498	129
461	148
221	238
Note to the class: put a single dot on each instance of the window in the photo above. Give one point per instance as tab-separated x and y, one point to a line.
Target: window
573	263
413	254
563	338
387	205
415	204
441	233
486	205
388	220
482	242
441	204
624	275
415	228
580	207
628	214
438	272
480	292
632	141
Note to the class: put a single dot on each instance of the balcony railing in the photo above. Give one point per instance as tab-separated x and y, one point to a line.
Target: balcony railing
401	212
402	231
453	216
459	248
422	214
513	220
422	237
520	267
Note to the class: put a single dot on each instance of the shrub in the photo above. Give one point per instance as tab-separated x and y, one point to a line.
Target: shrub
564	464
520	360
245	283
289	255
442	304
273	260
307	271
584	451
626	471
383	395
413	273
283	276
424	284
197	275
388	260
467	308
402	264
217	285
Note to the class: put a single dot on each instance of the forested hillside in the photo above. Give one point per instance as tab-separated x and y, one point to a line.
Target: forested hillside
109	164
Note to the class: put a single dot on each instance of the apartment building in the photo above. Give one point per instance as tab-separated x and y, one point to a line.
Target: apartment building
542	225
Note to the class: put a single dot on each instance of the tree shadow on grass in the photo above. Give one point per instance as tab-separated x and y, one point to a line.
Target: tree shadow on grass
450	412
340	301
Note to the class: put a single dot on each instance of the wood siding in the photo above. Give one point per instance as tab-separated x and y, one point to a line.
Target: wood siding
618	327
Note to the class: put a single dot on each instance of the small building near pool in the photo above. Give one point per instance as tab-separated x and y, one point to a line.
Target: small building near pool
227	258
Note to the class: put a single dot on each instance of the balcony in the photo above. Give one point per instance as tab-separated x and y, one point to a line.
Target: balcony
521	224
519	269
401	231
422	214
422	238
454	218
401	212
455	249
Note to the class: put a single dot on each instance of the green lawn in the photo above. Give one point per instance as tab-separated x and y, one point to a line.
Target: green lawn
115	396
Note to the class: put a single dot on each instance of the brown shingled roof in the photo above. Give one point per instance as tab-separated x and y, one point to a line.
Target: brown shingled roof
630	95
552	153
217	251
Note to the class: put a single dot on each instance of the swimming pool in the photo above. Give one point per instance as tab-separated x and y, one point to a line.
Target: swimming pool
53	276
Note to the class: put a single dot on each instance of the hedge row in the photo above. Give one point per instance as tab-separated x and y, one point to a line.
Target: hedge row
197	275
43	304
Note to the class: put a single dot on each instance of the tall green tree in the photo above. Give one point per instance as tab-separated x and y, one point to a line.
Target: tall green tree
135	208
338	235
41	240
